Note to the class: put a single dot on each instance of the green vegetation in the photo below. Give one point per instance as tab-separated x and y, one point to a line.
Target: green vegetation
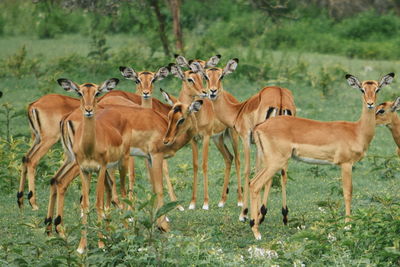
294	53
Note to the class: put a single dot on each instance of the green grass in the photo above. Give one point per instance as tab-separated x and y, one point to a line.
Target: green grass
216	237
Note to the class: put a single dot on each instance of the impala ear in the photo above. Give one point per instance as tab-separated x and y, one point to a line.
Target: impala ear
396	105
167	97
195	106
176	71
197	68
161	74
385	80
128	73
230	66
109	85
68	85
181	61
213	61
354	82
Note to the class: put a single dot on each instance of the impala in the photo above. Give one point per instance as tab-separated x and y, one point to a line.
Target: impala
244	116
207	126
340	143
100	142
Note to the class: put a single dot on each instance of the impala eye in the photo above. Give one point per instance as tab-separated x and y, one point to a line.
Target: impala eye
137	81
97	93
79	94
190	80
381	111
180	121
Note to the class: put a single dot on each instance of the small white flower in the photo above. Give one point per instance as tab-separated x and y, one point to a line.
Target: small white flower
321	209
298	263
347	227
260	252
301	227
331	238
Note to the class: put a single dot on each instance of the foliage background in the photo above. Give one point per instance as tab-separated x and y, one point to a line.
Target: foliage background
306	46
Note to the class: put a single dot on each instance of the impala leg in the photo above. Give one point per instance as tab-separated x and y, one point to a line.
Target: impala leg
228	158
206	145
347	187
67	169
62	183
100	202
111	184
123	170
264	208
285	209
42	148
195	155
156	176
171	192
235	146
131	177
85	210
246	149
262	177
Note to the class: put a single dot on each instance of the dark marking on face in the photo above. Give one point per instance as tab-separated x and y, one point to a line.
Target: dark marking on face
369	82
88	85
251	223
213	69
30	194
245	211
53	181
146	73
269	112
48	221
177	109
227	190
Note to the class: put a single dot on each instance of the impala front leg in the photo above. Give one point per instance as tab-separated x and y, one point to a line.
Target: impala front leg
100	202
347	188
171	192
195	155
85	178
206	143
235	146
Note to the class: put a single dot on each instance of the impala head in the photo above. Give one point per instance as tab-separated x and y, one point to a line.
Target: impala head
369	88
144	80
193	66
214	76
385	111
180	120
191	79
88	93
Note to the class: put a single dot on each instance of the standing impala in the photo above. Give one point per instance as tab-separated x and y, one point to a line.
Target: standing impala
207	126
100	142
339	142
244	116
386	115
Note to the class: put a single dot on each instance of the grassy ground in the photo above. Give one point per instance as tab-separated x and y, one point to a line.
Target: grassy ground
315	234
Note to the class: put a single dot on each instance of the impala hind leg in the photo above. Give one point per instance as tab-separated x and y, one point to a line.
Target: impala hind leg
195	156
100	201
228	158
347	187
206	145
262	177
285	210
69	168
235	146
246	150
30	162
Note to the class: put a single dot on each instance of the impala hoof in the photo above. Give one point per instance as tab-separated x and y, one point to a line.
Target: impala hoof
243	218
192	206
257	236
167	219
240	204
80	250
221	204
130	219
205	206
180	208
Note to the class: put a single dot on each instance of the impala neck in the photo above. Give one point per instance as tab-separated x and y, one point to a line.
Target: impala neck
147	102
394	127
366	126
88	139
186	95
184	138
226	110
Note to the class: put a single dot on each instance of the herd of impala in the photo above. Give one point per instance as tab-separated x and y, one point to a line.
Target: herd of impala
101	134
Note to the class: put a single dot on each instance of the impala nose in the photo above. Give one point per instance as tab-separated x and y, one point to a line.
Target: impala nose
370	105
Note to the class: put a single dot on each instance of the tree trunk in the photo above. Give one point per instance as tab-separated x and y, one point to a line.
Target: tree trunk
161	26
175	10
